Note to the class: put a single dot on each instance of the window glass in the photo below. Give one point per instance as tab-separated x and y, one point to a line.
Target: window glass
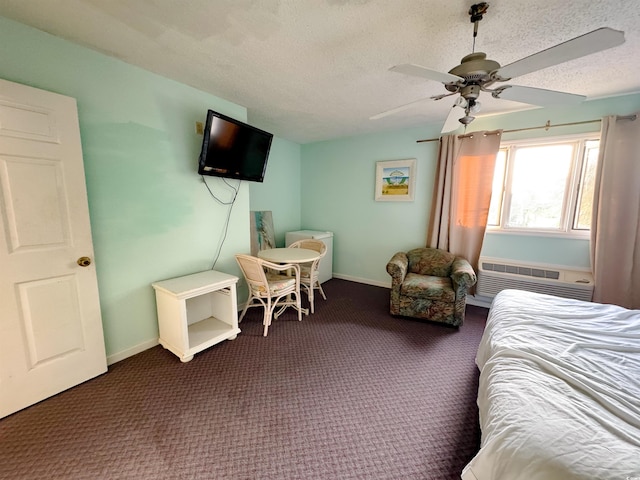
584	206
497	190
538	186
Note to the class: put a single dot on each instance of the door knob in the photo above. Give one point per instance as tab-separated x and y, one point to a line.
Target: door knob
84	261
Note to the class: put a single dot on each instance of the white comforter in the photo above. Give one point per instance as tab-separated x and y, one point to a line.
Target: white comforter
559	394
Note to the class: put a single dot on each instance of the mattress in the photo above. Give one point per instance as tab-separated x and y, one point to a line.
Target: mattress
559	394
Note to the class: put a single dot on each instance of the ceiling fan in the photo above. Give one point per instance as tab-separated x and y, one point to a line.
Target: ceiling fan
476	73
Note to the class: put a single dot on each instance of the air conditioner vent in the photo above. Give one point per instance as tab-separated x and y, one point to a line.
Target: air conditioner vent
495	276
520	270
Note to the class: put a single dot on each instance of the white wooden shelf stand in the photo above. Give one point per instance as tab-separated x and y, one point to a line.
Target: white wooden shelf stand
196	311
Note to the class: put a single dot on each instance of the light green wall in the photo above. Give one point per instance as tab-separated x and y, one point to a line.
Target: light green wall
339	177
151	216
280	191
570	252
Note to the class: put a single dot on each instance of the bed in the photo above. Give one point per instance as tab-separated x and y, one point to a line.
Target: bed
559	394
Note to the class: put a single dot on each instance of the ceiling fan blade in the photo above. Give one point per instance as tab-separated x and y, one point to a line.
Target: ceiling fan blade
420	71
586	44
538	96
398	109
451	123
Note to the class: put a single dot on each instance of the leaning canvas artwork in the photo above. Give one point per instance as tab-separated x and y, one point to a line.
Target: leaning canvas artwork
262	232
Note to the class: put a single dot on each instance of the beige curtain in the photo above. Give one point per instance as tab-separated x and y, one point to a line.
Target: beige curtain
462	193
615	225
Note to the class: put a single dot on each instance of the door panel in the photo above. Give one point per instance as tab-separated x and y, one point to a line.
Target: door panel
29	122
34	199
50	318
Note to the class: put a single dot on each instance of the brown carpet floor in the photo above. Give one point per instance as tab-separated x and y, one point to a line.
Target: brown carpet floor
348	393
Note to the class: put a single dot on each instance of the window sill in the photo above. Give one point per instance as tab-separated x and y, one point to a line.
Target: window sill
538	233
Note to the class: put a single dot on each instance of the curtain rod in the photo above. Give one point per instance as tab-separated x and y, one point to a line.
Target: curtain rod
546	126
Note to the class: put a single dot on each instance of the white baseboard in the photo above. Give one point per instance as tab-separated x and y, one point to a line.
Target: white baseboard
366	281
129	352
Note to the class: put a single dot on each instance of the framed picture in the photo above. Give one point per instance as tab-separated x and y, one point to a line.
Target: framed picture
395	180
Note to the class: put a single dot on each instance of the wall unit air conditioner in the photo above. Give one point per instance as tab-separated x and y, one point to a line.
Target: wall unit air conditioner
497	274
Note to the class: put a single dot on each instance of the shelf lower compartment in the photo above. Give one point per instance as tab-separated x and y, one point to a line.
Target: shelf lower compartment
208	332
202	335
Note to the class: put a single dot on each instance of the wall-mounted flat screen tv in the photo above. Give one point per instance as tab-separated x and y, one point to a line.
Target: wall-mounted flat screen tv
233	149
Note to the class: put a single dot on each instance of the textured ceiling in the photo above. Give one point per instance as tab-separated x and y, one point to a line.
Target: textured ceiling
311	70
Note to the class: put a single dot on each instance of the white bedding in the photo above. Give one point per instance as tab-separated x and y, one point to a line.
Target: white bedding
559	394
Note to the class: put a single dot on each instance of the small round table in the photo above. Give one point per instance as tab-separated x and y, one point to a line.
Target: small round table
288	255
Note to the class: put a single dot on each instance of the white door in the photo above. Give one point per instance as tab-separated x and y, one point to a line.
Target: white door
50	325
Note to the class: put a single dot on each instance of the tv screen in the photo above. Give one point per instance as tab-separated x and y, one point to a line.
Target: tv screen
233	149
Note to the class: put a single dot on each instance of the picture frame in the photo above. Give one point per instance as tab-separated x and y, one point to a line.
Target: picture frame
395	180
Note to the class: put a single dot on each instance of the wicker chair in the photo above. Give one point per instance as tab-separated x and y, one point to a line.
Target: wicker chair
431	284
269	289
309	273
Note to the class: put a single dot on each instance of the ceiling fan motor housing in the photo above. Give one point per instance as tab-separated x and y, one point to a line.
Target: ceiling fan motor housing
475	68
470	92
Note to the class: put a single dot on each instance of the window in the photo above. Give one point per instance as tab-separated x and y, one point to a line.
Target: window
544	186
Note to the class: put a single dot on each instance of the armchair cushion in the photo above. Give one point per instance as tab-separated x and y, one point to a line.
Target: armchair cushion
426	286
430	261
278	283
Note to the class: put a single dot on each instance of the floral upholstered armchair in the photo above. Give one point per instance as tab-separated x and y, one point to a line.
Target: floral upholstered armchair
431	284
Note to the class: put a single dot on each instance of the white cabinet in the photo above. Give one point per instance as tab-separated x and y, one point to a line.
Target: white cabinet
196	311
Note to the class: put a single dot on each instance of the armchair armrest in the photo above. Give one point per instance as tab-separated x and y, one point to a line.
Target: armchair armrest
462	274
397	268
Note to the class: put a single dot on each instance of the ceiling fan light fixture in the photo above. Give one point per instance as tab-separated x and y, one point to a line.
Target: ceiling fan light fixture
461	102
467	119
